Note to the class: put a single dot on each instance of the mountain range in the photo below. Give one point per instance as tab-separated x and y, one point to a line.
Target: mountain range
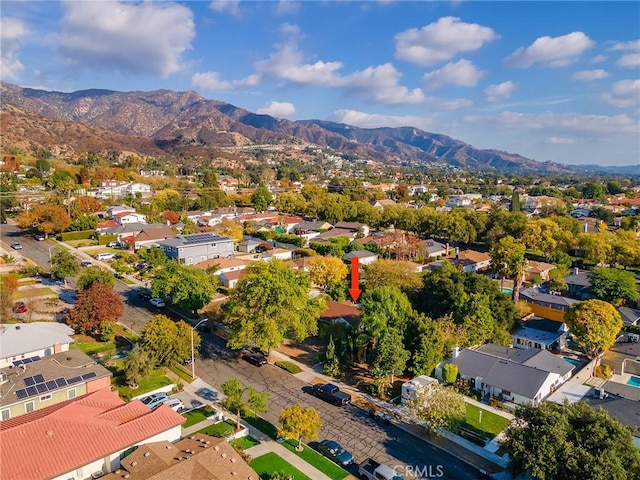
187	124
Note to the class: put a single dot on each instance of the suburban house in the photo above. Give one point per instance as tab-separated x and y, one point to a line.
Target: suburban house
249	246
579	284
115	209
414	386
28	342
541	334
467	260
123	218
118	188
464	200
630	316
197	247
283	223
231	279
545	305
436	249
82	437
385	202
49	380
360	229
365	257
152	235
510	374
198	456
228	270
341	312
535	270
309	227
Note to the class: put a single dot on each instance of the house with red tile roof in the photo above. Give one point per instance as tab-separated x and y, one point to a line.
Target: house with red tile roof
343	312
197	457
80	437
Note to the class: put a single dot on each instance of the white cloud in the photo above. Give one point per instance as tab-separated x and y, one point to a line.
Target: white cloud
12	32
149	37
374	120
598	59
378	83
441	41
629	60
287	7
231	7
500	91
462	73
625	93
560	123
551	51
278	109
630	45
211	81
448	103
560	140
590	75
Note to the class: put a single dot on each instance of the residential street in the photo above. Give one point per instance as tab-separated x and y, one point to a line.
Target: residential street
348	425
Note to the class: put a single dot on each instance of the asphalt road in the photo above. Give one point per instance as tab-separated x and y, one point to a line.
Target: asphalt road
348	425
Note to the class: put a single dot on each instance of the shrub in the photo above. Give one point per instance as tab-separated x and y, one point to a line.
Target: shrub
289	367
305	252
603	371
449	373
290	239
104	239
81	235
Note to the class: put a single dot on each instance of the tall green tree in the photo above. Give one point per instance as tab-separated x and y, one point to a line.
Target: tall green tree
392	273
272	302
92	275
570	442
63	265
613	285
235	400
382	308
331	364
515	201
299	422
188	287
136	365
166	341
595	324
261	199
507	258
389	356
425	340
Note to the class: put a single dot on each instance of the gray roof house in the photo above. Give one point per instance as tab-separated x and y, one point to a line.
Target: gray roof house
365	257
197	247
20	342
630	316
436	249
511	374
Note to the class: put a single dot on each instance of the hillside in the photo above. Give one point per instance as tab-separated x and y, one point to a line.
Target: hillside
170	120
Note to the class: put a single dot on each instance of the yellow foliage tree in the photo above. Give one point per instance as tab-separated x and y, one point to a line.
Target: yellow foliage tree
324	271
229	228
299	422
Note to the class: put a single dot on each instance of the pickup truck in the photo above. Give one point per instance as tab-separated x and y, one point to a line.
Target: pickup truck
372	470
331	393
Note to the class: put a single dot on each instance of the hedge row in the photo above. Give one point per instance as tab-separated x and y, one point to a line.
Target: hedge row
104	239
81	235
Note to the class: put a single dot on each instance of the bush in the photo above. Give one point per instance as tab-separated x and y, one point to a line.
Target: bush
449	373
81	235
104	239
289	367
305	252
603	371
290	239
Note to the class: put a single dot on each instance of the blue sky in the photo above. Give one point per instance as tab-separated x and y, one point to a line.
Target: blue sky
555	81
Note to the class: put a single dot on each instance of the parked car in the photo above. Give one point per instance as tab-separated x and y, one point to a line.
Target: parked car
176	405
157	302
255	358
372	470
141	266
331	393
144	293
336	452
155	400
19	307
113	244
86	263
16	246
105	256
39	237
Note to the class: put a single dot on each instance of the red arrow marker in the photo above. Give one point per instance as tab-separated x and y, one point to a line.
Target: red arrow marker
354	291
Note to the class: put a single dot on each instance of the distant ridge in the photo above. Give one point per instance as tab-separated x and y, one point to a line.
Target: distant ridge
171	119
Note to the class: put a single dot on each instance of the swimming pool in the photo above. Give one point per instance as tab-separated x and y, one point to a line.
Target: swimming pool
634	381
507	290
575	362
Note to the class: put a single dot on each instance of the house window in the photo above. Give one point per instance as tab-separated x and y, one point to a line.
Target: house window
71	393
5	414
46	397
29	407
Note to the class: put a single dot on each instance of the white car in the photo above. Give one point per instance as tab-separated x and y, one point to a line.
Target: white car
157	302
155	400
105	256
176	405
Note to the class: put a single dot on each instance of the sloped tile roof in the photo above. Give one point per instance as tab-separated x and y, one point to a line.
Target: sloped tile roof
55	440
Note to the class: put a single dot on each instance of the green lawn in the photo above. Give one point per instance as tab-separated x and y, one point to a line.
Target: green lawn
269	463
489	422
34	292
153	381
220	429
198	415
319	461
182	372
262	425
244	443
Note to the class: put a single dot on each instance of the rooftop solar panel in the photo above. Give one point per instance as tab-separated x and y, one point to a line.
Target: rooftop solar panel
51	385
72	380
28	381
61	382
21	394
41	387
31	391
27	360
38	378
17	362
36	358
86	376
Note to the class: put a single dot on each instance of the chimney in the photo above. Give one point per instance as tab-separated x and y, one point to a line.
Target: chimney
447	248
576	271
585	227
57	348
455	352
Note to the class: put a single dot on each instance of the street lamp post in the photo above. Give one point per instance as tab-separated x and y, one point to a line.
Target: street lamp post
193	359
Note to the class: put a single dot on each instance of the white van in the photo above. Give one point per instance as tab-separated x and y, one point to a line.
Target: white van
105	256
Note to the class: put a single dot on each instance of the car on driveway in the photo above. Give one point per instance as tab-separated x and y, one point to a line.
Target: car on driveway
255	358
86	263
155	400
39	237
157	302
176	405
16	246
336	452
105	256
19	307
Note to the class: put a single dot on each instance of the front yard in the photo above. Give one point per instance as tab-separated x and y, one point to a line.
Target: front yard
484	423
197	415
270	463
